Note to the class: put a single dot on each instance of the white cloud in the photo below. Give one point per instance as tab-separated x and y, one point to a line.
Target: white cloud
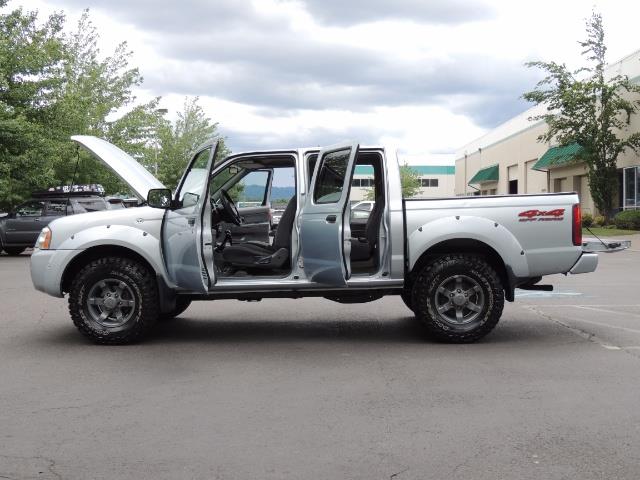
427	76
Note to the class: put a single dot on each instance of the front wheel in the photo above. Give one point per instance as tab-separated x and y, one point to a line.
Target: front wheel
458	297
113	300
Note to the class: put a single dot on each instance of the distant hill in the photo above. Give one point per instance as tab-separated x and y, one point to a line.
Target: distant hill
255	193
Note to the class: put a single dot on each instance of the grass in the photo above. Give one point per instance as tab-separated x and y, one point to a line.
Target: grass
608	232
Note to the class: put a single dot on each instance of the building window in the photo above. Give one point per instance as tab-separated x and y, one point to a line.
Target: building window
429	182
355	182
513	187
631	187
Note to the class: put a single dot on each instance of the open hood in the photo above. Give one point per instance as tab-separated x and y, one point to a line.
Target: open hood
122	164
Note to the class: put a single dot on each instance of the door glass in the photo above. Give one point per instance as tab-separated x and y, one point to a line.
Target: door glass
30	209
331	177
251	190
194	181
56	208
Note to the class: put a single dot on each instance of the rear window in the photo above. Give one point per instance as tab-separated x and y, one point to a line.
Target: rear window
56	207
82	205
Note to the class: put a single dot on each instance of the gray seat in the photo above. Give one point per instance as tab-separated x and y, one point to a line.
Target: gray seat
363	248
263	255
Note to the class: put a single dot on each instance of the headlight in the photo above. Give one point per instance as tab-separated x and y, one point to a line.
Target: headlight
44	239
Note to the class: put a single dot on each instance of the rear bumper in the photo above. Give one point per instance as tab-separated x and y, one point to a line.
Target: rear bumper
588	262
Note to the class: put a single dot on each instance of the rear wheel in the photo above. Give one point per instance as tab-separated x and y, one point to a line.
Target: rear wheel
14	251
113	300
459	298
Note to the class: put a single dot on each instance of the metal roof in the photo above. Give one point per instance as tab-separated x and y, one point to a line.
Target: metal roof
487	174
559	157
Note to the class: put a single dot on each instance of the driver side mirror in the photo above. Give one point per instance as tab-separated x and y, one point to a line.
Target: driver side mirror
159	198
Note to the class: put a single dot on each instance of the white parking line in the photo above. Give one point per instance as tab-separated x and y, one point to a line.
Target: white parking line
583	306
600	324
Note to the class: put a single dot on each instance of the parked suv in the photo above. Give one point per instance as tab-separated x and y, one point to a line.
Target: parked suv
20	228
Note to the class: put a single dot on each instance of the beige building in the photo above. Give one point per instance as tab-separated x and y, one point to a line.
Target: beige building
510	160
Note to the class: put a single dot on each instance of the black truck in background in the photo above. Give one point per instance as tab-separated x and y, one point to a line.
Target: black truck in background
20	228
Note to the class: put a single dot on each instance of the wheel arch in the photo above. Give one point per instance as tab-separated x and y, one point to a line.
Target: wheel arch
166	294
471	246
95	252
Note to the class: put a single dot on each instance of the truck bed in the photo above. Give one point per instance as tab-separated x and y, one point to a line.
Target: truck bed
532	233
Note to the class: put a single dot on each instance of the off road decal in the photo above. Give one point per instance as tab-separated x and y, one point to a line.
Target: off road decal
541	215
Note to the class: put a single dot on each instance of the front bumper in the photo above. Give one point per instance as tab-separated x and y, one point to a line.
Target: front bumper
47	267
588	262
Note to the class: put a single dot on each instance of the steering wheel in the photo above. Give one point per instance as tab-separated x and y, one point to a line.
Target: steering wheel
230	208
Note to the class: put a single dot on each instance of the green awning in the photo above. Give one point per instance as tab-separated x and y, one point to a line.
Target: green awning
559	157
487	174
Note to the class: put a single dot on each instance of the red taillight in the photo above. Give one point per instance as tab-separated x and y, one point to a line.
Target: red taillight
577	225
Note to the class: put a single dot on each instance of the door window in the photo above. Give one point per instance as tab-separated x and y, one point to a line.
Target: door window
194	182
333	170
251	191
30	209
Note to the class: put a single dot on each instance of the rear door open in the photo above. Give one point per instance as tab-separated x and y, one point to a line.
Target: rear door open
324	228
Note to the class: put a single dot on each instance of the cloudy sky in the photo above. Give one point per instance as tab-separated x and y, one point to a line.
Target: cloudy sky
425	76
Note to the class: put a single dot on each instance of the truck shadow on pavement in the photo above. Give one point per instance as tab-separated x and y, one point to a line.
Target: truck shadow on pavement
401	330
406	330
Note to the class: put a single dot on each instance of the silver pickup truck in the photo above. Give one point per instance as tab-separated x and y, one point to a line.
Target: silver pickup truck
453	261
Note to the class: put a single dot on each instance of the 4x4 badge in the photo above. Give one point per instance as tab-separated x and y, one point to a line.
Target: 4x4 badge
541	215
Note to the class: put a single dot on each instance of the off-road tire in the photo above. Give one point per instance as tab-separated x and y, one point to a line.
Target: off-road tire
14	251
425	291
181	305
141	283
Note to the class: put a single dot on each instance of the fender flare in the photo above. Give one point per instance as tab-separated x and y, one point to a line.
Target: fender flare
483	230
141	242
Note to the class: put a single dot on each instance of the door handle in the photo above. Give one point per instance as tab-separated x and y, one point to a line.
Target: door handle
36	219
331	219
191	222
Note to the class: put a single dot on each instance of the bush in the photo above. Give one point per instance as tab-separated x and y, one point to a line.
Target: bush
628	220
599	220
587	220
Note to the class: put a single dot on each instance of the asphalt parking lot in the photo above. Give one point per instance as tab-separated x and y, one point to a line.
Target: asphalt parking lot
312	389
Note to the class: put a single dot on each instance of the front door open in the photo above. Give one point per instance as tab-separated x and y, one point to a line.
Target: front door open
324	233
186	230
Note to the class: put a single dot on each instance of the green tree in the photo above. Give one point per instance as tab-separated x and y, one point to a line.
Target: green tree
178	141
92	90
31	58
53	86
409	181
586	107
